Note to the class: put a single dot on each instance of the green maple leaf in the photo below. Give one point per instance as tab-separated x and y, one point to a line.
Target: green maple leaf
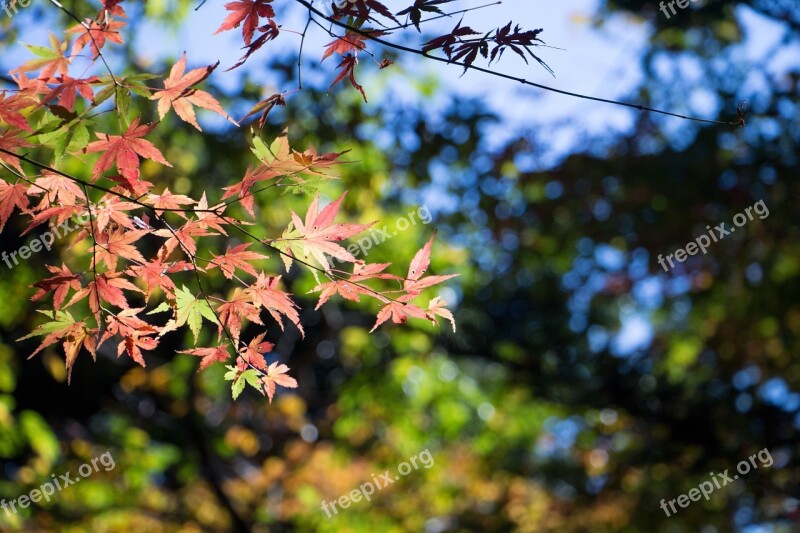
191	310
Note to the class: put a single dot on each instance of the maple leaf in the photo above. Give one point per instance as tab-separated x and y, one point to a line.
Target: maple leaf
362	9
60	213
236	257
154	275
264	107
248	12
51	60
179	95
111	7
233	311
270	31
276	376
10	141
415	11
108	288
10	111
167	200
265	293
12	196
134	344
95	35
56	188
414	282
317	236
437	307
211	217
111	245
241	376
399	311
352	42
182	237
73	336
363	271
447	41
122	150
349	289
112	209
519	41
218	354
61	283
242	189
30	87
253	353
137	335
191	310
68	88
347	67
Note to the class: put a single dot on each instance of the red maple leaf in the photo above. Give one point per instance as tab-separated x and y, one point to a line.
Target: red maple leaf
253	353
122	150
10	111
167	200
61	283
10	141
347	67
154	274
56	188
107	288
111	245
276	376
95	35
12	196
265	293
399	311
352	42
136	333
414	282
242	189
67	90
210	355
249	12
236	257
179	95
233	311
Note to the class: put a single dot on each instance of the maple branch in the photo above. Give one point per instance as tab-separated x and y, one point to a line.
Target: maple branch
331	275
89	32
300	54
523	81
94	258
95	186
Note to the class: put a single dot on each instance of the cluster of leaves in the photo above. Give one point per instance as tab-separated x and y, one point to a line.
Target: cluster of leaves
143	247
354	17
